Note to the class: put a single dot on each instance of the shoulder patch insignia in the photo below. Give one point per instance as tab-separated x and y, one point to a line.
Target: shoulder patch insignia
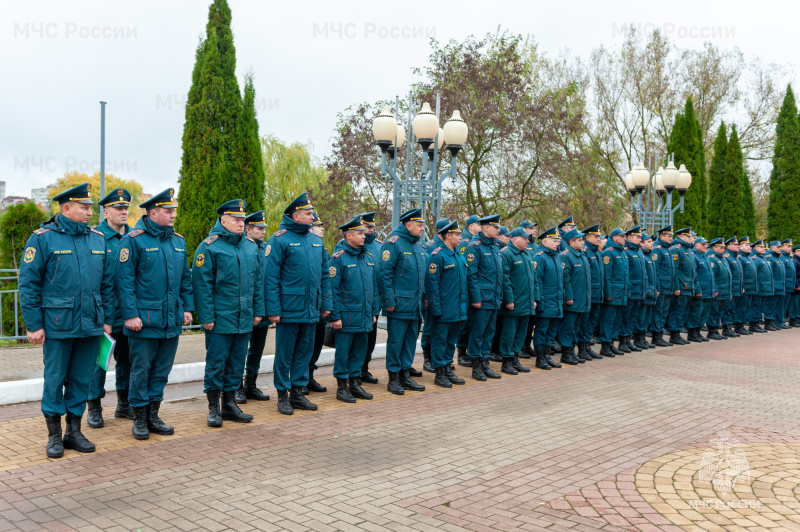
654	256
200	260
503	249
386	254
392	239
535	265
432	268
470	257
435	251
332	271
267	251
606	260
338	254
727	255
476	243
179	235
135	233
540	252
93	230
279	232
674	257
712	265
30	253
211	239
42	230
124	254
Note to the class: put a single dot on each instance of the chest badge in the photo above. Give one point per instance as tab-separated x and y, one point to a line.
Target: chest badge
470	257
124	254
432	268
332	271
606	260
386	255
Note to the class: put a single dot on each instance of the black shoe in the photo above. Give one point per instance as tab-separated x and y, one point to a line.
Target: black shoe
583	354
123	407
527	352
631	346
556	347
441	378
595	340
154	423
94	414
367	377
495	357
408	383
541	362
251	391
622	347
676	338
641	342
394	385
313	385
284	406
463	359
299	401
568	356
587	349
214	419
230	410
343	392
606	350
448	370
552	363
508	366
694	335
488	371
357	391
518	366
240	397
426	364
714	335
477	370
741	330
304	390
74	438
658	341
756	328
770	326
414	372
55	445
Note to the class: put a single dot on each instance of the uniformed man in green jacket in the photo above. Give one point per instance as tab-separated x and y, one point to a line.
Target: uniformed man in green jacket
520	293
228	288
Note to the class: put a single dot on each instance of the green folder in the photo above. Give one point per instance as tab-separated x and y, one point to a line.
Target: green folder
106	353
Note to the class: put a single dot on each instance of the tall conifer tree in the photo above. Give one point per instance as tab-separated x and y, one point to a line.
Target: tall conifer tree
686	143
785	176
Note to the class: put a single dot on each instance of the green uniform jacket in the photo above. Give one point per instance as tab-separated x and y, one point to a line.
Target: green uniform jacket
153	281
66	280
778	272
228	281
636	273
484	272
446	285
665	267
723	280
112	246
577	280
737	283
550	278
401	275
520	285
788	266
749	273
354	288
596	268
651	281
615	265
764	286
685	268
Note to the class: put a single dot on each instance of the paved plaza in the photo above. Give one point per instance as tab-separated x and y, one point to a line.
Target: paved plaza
701	437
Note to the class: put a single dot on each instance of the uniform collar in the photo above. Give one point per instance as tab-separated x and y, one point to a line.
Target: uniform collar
70	227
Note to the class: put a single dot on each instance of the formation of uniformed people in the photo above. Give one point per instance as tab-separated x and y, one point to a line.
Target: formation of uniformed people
481	292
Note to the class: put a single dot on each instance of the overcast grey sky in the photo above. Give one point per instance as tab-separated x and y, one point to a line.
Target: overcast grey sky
311	60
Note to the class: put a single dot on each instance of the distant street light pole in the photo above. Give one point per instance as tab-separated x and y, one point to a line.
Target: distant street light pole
102	154
647	195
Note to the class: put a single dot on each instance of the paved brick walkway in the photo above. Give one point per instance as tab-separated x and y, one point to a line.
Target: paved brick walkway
647	441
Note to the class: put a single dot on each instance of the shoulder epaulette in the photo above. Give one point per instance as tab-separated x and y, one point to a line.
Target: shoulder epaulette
392	239
211	239
540	252
503	249
337	254
279	232
435	251
250	239
370	254
42	230
179	235
135	233
475	243
93	230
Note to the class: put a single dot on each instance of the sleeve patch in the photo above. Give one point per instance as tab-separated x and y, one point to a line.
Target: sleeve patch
124	254
470	257
432	268
30	254
606	260
386	254
200	260
332	271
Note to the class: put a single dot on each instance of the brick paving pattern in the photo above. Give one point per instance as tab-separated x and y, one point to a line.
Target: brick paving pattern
615	444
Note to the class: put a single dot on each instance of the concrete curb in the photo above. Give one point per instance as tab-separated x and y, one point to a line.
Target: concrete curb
27	390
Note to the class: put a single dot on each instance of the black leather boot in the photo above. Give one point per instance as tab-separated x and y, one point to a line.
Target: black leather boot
631	346
414	372
769	325
694	335
230	410
676	339
605	350
508	366
357	391
713	334
640	341
94	414
394	385
477	370
527	352
313	385
622	346
284	406
343	392
488	371
741	330
582	352
55	445
426	356
518	365
463	359
441	378
252	391
659	341
240	397
541	362
74	438
449	371
299	401
568	355
154	423
756	328
367	377
549	359
408	383
214	419
123	406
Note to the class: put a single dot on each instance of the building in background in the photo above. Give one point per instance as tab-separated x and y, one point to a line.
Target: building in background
41	196
2	190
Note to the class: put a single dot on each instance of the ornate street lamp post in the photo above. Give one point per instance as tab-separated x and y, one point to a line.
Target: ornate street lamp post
651	199
424	191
